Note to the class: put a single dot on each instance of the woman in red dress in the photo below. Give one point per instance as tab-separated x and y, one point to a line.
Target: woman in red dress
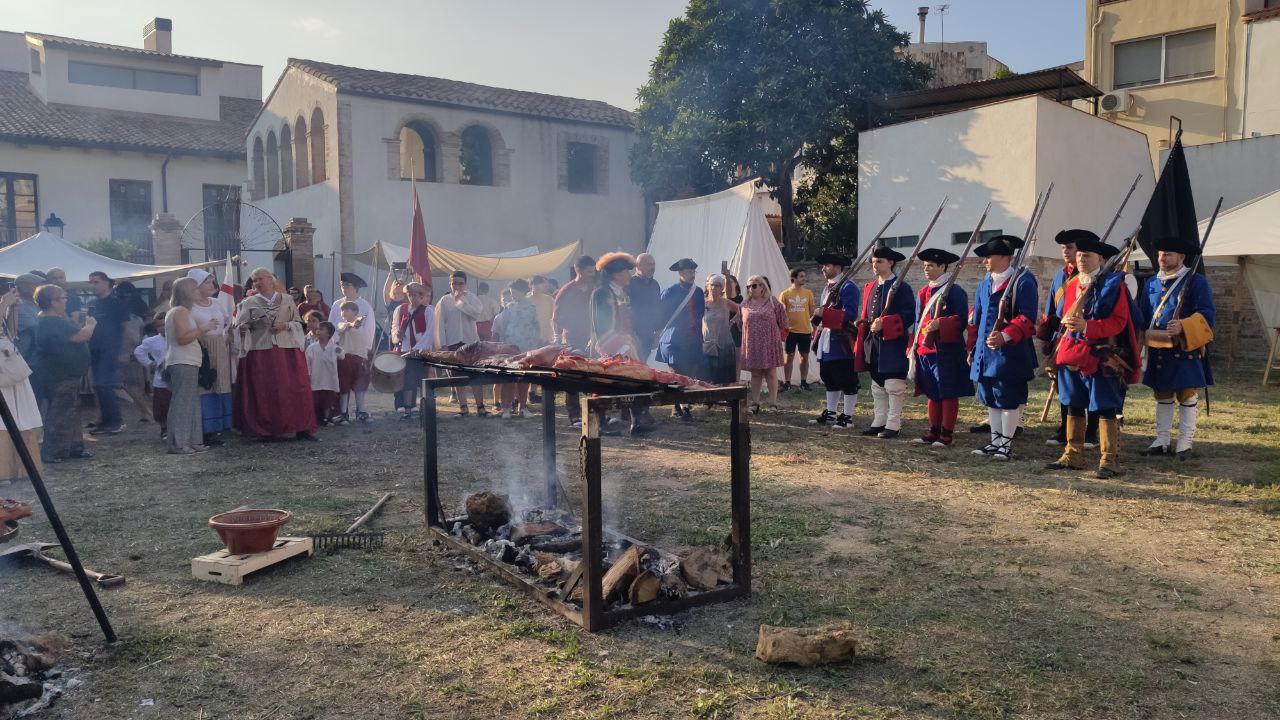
763	320
273	387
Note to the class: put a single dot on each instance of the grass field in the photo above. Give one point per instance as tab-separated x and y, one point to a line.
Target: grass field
979	590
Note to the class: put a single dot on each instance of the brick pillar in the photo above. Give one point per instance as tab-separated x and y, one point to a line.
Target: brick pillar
166	239
298	236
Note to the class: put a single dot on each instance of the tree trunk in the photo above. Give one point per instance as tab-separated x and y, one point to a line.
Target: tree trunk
793	243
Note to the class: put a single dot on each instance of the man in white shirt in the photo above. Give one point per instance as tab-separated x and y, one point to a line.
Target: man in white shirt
351	286
456	316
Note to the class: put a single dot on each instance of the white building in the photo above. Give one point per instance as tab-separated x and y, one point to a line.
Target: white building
497	170
955	63
108	137
1003	153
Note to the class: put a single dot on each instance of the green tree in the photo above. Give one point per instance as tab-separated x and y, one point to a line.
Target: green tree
108	247
826	196
748	87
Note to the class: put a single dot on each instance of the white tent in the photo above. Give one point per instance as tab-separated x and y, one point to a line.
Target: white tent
1249	235
503	266
45	250
728	226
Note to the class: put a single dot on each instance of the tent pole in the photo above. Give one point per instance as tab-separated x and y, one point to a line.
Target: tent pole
1242	286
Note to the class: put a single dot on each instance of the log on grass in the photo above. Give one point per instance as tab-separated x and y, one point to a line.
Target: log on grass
806	646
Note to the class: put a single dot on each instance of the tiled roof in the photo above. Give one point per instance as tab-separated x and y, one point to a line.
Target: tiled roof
452	92
27	119
53	40
1261	14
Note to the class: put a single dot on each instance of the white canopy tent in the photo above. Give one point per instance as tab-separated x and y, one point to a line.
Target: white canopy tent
503	266
45	250
1249	235
726	226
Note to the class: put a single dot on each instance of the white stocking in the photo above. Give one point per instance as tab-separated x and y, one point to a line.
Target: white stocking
1188	412
880	400
897	389
1164	422
850	402
833	397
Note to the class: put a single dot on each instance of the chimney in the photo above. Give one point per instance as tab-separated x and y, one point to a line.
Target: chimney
157	36
922	12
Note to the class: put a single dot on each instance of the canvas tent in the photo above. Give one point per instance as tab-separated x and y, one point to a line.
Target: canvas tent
1249	235
504	266
726	226
45	250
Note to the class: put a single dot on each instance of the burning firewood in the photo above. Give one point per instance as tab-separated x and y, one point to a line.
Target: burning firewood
705	568
619	577
644	588
533	532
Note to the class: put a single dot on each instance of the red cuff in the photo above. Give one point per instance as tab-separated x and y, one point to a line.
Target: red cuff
972	341
950	329
1020	329
891	327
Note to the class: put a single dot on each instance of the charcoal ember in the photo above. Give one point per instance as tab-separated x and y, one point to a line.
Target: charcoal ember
503	550
558	545
527	533
488	510
672	587
456	529
472	535
18	689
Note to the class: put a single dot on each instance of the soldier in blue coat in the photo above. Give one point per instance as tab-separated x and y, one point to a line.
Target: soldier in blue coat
1096	356
881	346
680	346
834	332
1177	363
1000	336
942	373
1048	329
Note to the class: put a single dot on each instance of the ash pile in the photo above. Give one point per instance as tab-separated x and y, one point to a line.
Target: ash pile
545	546
30	680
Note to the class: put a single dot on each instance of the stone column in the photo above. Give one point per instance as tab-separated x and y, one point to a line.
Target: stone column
298	235
166	239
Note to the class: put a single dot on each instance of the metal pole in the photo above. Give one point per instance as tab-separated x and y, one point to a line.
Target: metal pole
430	461
549	443
592	540
63	539
740	492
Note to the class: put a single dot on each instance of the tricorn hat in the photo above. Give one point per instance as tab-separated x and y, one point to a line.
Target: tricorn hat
1095	245
938	255
888	253
353	279
833	258
1173	243
999	245
683	264
1069	237
613	262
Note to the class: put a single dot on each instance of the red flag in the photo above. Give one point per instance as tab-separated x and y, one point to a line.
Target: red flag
418	259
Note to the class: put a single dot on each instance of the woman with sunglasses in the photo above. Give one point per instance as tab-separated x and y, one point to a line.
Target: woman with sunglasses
763	320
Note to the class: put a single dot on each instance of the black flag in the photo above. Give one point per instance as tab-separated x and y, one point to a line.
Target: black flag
1172	211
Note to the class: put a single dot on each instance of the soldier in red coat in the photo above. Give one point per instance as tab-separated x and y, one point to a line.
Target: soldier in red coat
938	347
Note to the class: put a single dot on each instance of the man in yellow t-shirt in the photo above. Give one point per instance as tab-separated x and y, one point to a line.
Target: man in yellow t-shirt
544	303
800	306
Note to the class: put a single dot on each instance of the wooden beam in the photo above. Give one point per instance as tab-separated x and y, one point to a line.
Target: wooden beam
740	493
593	609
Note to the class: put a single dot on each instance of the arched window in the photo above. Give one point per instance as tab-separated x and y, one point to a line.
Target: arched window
418	151
302	173
317	146
286	159
273	165
477	157
259	170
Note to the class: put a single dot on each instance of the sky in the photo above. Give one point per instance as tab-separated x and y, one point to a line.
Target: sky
596	49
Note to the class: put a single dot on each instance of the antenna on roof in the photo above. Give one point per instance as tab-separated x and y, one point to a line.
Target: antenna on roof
942	20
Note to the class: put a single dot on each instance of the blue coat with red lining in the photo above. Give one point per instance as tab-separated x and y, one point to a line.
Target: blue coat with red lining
1109	315
1016	359
890	344
944	363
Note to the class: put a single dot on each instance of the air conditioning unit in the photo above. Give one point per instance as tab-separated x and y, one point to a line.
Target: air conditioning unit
1116	101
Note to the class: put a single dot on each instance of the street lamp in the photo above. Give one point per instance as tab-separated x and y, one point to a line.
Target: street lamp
55	224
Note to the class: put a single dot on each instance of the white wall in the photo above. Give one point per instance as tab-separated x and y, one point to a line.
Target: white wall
75	183
530	210
975	157
13	52
1262	101
1004	153
1237	170
1092	164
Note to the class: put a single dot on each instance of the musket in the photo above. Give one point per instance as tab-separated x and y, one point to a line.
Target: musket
897	282
931	337
833	298
1124	202
1087	284
1007	297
